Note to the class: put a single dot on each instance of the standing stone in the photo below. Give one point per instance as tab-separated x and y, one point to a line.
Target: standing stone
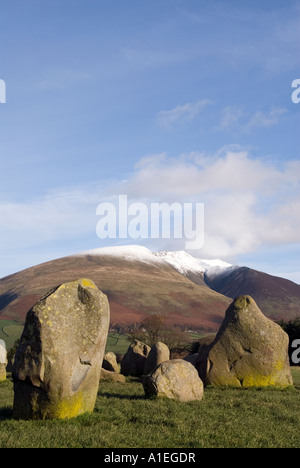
110	362
159	353
133	362
249	350
3	360
176	379
58	361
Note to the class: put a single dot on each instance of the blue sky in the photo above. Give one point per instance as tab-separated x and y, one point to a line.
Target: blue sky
169	100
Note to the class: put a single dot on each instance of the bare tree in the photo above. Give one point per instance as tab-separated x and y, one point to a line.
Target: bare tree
154	328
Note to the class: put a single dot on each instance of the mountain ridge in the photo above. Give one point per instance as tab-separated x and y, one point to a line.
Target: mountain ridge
192	292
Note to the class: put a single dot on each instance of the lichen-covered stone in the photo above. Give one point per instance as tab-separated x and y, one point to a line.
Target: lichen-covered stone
159	353
175	379
58	361
3	360
133	362
249	350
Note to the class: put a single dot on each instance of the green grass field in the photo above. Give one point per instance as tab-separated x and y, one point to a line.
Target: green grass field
117	343
124	418
10	331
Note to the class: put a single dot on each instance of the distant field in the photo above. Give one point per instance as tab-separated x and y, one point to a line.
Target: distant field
117	343
10	331
124	418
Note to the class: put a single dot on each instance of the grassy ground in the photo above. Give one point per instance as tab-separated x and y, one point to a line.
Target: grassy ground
123	418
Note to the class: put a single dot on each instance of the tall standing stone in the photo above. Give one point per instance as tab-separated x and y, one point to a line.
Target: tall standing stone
58	361
249	350
3	360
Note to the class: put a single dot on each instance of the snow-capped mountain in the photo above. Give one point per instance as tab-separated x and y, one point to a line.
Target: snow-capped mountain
186	263
183	262
191	292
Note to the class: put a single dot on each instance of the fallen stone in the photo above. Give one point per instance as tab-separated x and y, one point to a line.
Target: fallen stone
175	379
109	376
110	362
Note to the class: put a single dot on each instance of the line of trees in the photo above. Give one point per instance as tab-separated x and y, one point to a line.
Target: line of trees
154	328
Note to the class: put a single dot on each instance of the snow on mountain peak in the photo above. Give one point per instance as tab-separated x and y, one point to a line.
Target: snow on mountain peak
180	260
184	262
133	252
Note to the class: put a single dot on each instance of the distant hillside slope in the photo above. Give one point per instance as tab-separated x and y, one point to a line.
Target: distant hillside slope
277	297
136	285
192	292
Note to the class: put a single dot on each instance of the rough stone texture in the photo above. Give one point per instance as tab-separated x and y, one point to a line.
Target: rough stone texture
176	379
133	362
159	353
58	362
3	360
110	362
249	350
109	376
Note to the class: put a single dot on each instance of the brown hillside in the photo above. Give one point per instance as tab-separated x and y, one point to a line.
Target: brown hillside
278	298
134	288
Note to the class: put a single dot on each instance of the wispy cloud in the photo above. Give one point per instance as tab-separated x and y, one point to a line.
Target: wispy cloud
265	119
234	119
182	113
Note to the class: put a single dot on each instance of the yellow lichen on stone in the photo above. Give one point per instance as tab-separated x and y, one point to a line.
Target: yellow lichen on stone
259	380
70	407
87	283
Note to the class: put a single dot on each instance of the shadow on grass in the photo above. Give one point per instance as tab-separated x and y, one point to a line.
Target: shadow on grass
6	413
121	396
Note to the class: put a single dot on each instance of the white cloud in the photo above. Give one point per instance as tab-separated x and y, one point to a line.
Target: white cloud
250	204
183	113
